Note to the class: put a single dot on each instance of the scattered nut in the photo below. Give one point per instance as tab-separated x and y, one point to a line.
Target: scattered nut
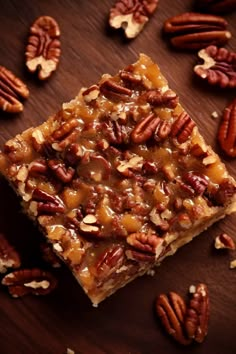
9	258
223	241
12	89
131	15
43	48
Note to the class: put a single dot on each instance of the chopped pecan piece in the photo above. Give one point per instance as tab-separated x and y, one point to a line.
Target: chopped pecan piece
43	48
9	258
223	241
196	31
216	6
115	133
131	15
224	193
227	129
219	67
182	127
29	281
63	173
162	131
197	316
171	310
12	89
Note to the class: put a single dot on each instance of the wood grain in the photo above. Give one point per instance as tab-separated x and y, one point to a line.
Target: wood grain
125	323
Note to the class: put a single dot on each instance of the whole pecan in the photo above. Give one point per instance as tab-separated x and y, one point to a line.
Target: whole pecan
47	203
131	15
115	133
182	127
144	129
227	130
197	315
171	310
194	30
219	67
43	48
30	281
9	258
216	6
12	89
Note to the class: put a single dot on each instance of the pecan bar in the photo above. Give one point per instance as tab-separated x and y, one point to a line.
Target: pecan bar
119	179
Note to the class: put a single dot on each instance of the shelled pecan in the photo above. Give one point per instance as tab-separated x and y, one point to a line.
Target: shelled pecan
131	15
195	30
12	90
224	241
197	315
9	258
171	310
47	203
114	90
144	129
43	49
182	127
109	261
219	67
29	281
157	98
216	6
227	130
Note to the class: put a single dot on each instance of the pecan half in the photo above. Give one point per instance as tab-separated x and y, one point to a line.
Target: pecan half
43	48
157	98
162	131
29	281
216	6
224	193
144	129
63	173
194	30
146	242
197	181
109	261
131	15
113	90
227	130
65	135
182	127
9	258
223	241
47	203
171	310
12	89
197	316
115	133
219	67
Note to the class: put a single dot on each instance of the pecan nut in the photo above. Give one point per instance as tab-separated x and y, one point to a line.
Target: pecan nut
216	6
113	90
182	127
144	129
144	244
131	15
219	67
30	281
227	130
43	48
63	173
197	315
223	241
198	182
12	89
171	310
47	203
109	261
9	258
157	98
195	31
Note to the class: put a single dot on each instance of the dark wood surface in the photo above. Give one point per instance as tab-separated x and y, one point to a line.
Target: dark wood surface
125	323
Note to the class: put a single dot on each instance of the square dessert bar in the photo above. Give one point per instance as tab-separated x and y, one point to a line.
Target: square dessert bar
118	179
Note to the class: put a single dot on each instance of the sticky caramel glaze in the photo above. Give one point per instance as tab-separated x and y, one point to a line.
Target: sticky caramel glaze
90	187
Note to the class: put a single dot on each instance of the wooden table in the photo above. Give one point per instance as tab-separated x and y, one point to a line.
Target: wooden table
125	323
